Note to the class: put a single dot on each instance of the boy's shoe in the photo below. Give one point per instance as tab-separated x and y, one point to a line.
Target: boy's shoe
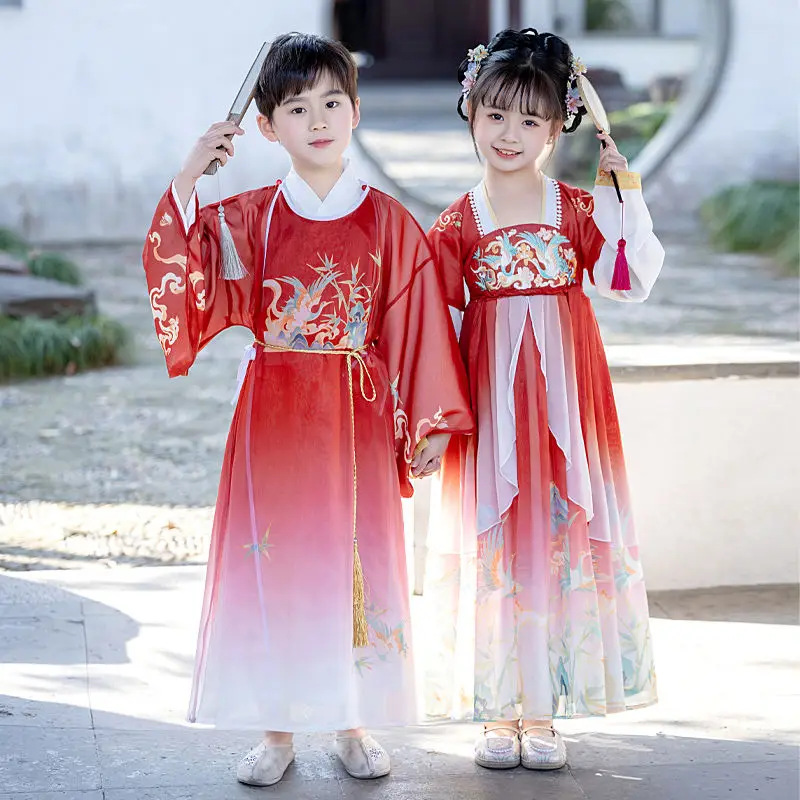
265	764
498	752
362	757
542	748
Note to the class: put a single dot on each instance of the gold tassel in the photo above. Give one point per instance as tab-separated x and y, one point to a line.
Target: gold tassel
360	630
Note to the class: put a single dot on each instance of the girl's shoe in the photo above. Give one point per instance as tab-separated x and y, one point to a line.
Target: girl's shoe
498	752
362	757
542	748
265	764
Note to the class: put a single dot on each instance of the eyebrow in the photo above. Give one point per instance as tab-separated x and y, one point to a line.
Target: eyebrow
521	113
298	98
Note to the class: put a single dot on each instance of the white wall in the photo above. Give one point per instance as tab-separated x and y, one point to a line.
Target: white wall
638	59
681	18
105	97
713	468
751	127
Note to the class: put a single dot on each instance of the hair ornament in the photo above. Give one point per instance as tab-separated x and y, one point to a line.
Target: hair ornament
573	99
474	56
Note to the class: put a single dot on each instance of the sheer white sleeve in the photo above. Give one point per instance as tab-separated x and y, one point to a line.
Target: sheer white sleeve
457	317
644	252
188	214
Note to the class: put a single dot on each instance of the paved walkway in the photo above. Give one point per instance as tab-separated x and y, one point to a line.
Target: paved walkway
94	676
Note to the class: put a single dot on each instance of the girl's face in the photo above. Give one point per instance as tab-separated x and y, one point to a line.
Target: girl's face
316	126
509	140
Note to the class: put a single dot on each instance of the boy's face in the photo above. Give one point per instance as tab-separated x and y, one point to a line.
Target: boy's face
316	126
510	140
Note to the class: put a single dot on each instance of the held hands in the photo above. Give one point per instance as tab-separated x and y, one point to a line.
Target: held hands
428	458
204	152
610	158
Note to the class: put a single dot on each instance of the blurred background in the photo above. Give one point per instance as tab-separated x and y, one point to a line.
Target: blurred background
106	465
106	98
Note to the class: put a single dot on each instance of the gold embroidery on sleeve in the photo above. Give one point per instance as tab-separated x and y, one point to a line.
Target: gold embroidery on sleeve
584	205
195	277
165	220
446	219
167	329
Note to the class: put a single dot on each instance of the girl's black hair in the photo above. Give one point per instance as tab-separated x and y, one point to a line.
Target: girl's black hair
294	64
524	69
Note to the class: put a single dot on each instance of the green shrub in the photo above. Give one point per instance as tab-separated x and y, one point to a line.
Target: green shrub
11	242
761	217
607	15
54	266
32	347
640	120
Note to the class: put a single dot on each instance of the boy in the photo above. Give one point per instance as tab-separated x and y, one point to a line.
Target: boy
353	381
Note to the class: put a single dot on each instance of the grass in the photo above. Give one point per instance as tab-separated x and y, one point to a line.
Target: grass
44	265
32	347
54	266
758	217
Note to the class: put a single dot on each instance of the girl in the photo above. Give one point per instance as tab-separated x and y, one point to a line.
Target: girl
354	364
534	566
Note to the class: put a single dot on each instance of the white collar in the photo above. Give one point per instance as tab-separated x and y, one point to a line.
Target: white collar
484	218
345	196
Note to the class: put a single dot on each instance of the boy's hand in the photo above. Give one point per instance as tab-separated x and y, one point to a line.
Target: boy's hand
203	153
610	157
429	458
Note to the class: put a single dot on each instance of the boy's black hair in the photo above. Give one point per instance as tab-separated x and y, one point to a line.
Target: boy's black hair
525	69
295	62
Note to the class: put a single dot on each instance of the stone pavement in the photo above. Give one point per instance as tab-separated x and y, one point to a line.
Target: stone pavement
95	667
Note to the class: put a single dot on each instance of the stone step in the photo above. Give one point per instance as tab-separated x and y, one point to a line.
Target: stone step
28	296
11	264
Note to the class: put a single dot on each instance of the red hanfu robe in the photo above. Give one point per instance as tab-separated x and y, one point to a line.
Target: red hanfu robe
275	645
534	570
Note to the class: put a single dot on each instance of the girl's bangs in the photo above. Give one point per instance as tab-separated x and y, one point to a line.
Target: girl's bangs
531	95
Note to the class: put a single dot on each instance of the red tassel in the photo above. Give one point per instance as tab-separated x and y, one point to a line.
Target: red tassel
621	281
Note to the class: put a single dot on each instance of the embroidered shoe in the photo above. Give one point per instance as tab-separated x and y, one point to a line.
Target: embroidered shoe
542	748
362	757
498	752
265	764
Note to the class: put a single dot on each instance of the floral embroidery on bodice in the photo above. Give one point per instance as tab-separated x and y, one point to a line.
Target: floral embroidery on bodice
525	258
332	310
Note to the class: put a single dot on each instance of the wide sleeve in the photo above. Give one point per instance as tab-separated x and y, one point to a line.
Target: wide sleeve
600	233
427	377
190	301
445	238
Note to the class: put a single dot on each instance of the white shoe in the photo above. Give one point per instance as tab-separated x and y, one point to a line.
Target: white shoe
498	752
265	764
542	748
362	757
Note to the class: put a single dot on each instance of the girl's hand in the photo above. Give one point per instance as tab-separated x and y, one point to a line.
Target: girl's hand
610	158
429	459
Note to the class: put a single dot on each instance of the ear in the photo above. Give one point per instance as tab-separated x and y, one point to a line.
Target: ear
266	127
356	112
